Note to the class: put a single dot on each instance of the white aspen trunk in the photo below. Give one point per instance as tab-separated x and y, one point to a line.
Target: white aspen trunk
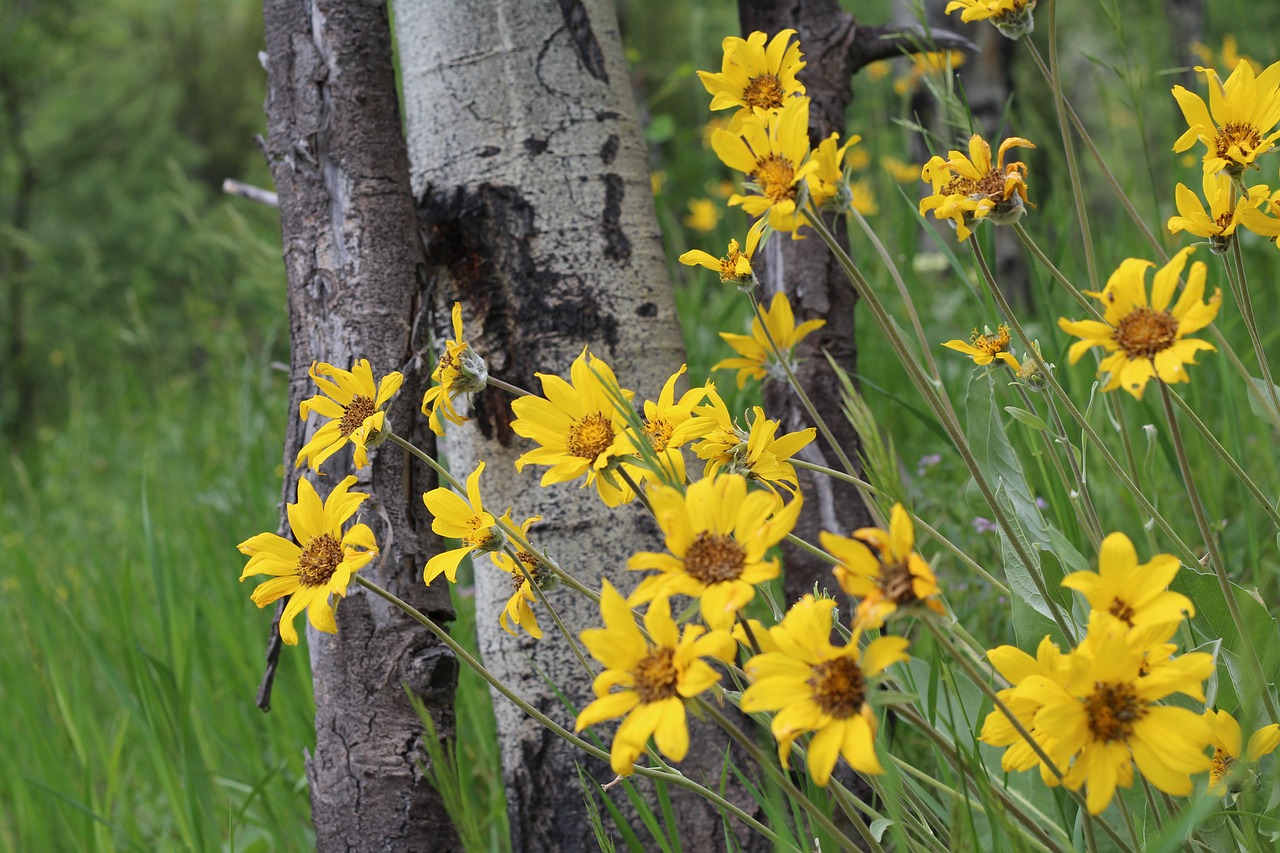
530	175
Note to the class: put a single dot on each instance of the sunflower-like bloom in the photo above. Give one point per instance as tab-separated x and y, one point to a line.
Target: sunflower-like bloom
902	172
1238	125
756	358
735	266
1106	719
968	189
774	154
459	371
579	425
319	566
757	452
822	688
1227	741
354	408
465	519
883	569
998	730
1227	211
518	611
1146	340
826	181
662	420
717	534
1136	593
1011	17
656	677
985	347
755	76
1229	57
704	215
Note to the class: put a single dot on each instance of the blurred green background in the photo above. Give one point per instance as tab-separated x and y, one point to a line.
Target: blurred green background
142	316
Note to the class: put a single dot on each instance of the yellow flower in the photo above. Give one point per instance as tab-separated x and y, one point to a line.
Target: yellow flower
463	519
903	173
1135	593
1236	126
1011	17
1106	719
1231	55
985	348
1226	748
756	358
703	216
863	198
1146	340
774	154
755	76
662	419
718	534
756	453
657	182
579	427
883	569
967	189
819	687
655	677
998	730
735	266
1227	210
459	371
827	178
319	566
354	407
933	64
517	610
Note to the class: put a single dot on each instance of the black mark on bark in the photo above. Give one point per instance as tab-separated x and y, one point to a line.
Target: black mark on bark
647	310
490	151
584	38
535	146
617	246
609	150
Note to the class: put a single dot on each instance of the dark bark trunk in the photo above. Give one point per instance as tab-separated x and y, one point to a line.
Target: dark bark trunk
809	274
354	265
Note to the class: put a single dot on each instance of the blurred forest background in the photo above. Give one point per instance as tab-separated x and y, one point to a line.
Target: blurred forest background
142	313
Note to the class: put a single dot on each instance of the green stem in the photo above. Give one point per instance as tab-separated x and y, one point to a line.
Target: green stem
1215	557
1251	326
674	778
784	362
944	416
1044	261
1073	166
513	390
1082	504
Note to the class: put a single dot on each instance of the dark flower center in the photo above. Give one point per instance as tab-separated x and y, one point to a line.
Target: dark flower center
776	177
1144	332
838	687
1112	711
896	583
656	675
1245	137
320	558
714	557
764	91
359	409
590	436
1122	611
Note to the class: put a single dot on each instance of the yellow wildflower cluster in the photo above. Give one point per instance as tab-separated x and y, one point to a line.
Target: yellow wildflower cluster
968	189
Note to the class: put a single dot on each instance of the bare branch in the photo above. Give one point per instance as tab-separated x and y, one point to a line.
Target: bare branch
889	41
230	186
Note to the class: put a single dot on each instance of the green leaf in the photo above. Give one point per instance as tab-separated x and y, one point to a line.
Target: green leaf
1031	419
1260	400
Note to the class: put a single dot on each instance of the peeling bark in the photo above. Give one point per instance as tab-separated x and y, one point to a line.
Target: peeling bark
354	269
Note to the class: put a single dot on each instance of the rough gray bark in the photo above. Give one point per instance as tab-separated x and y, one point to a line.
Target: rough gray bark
811	277
1186	27
354	269
530	175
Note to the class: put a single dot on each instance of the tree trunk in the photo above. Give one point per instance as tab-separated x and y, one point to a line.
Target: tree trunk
811	277
530	176
353	262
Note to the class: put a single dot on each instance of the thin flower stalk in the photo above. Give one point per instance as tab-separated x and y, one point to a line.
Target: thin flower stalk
1251	325
799	389
863	289
1130	484
1215	556
1090	308
670	776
